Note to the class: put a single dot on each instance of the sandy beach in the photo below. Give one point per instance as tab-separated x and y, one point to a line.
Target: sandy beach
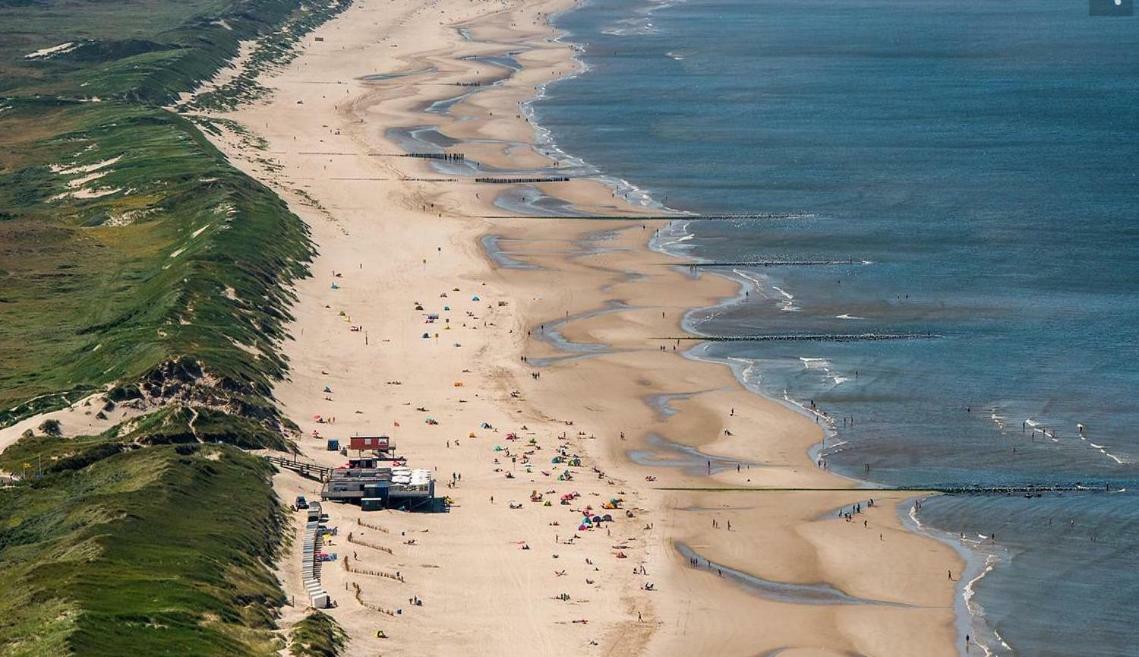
569	341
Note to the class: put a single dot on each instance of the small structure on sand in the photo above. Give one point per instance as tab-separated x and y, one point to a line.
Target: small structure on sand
375	488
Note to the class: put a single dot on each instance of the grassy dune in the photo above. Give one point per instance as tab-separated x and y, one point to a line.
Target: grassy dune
134	257
98	574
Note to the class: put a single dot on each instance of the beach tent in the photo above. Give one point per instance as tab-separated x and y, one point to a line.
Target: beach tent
475	298
426	336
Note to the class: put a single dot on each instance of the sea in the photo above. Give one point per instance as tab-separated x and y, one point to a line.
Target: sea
933	211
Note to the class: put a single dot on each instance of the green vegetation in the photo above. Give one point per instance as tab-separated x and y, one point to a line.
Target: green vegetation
273	50
152	551
134	260
188	258
317	635
126	239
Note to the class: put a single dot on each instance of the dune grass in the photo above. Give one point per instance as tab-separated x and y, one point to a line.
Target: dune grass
150	551
135	260
179	261
316	635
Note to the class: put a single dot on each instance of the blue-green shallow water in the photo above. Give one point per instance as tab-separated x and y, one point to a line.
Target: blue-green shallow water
980	156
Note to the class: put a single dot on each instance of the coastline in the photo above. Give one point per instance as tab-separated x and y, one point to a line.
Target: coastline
778	536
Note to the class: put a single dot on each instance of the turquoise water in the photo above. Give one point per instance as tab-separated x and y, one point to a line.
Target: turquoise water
974	162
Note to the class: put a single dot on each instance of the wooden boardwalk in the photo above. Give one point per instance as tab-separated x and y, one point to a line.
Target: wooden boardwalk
303	468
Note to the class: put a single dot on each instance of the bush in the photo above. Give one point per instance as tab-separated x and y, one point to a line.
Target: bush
51	428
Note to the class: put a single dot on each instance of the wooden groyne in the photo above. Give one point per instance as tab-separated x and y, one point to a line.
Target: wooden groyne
946	489
446	157
516	181
1023	489
754	216
808	337
772	263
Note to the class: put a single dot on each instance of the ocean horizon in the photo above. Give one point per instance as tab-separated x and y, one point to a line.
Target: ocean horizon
961	170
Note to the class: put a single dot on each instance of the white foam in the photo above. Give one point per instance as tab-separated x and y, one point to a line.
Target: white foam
788	303
968	591
845	316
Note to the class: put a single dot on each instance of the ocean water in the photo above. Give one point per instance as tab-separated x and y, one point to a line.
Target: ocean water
969	167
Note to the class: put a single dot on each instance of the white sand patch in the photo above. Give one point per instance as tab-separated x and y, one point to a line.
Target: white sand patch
86	168
80	182
249	349
86	174
230	293
199	231
96	193
126	218
78	419
177	253
47	53
224	76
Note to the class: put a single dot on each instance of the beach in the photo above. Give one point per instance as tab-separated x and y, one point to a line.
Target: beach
726	537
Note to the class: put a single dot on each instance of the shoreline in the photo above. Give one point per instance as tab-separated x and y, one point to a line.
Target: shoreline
607	389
